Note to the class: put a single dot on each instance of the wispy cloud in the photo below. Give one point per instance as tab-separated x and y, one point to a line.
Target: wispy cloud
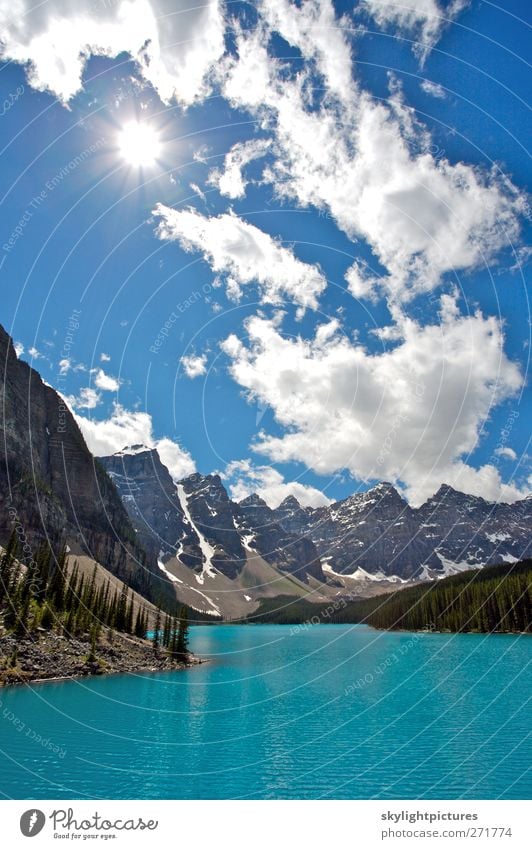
243	254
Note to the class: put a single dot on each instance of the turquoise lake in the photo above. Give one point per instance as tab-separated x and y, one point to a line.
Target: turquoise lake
328	711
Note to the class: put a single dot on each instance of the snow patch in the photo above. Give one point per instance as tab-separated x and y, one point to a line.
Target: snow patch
509	558
206	548
247	539
449	567
500	537
131	450
360	574
214	611
168	574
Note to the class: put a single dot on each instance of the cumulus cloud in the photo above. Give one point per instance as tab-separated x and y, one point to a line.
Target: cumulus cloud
105	381
410	414
174	44
131	427
65	365
230	180
244	254
245	478
372	166
194	366
19	348
425	19
105	358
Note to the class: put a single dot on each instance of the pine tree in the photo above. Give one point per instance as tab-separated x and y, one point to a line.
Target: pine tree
21	629
88	601
7	566
182	636
140	628
121	609
47	617
129	617
156	632
166	631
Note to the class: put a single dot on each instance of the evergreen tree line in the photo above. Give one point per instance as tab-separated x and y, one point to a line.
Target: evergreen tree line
46	594
173	635
493	599
496	598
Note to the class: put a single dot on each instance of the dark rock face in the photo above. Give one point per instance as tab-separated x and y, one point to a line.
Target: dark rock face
468	529
211	511
374	530
378	532
50	484
152	502
287	551
197	521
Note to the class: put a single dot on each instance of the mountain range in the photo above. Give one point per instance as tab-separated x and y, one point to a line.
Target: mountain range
189	541
372	537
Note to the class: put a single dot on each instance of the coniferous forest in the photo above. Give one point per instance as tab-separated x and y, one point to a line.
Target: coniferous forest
493	599
45	594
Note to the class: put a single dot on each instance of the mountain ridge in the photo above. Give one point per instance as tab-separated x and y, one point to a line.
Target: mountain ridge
375	532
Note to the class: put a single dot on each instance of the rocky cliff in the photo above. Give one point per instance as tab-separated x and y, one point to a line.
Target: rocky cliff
50	484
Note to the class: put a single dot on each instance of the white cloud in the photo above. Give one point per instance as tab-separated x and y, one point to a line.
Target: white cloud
433	89
194	366
314	29
361	282
105	358
65	365
245	478
87	399
176	459
199	192
230	181
105	381
411	414
243	253
174	43
371	165
19	348
34	353
426	19
131	427
506	452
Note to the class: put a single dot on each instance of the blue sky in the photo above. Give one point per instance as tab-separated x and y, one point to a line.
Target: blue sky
320	280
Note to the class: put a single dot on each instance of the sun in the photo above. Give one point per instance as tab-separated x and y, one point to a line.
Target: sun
139	144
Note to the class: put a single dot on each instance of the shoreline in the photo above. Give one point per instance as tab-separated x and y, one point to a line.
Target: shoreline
38	659
196	661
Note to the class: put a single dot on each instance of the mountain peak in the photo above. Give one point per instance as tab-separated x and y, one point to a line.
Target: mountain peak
380	491
196	479
252	500
291	503
447	492
131	450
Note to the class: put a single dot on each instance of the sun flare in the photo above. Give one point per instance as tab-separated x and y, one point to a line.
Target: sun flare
139	144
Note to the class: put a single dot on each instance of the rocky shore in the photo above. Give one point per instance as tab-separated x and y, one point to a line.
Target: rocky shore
48	655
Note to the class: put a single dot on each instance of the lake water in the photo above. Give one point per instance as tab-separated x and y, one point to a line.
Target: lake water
329	711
